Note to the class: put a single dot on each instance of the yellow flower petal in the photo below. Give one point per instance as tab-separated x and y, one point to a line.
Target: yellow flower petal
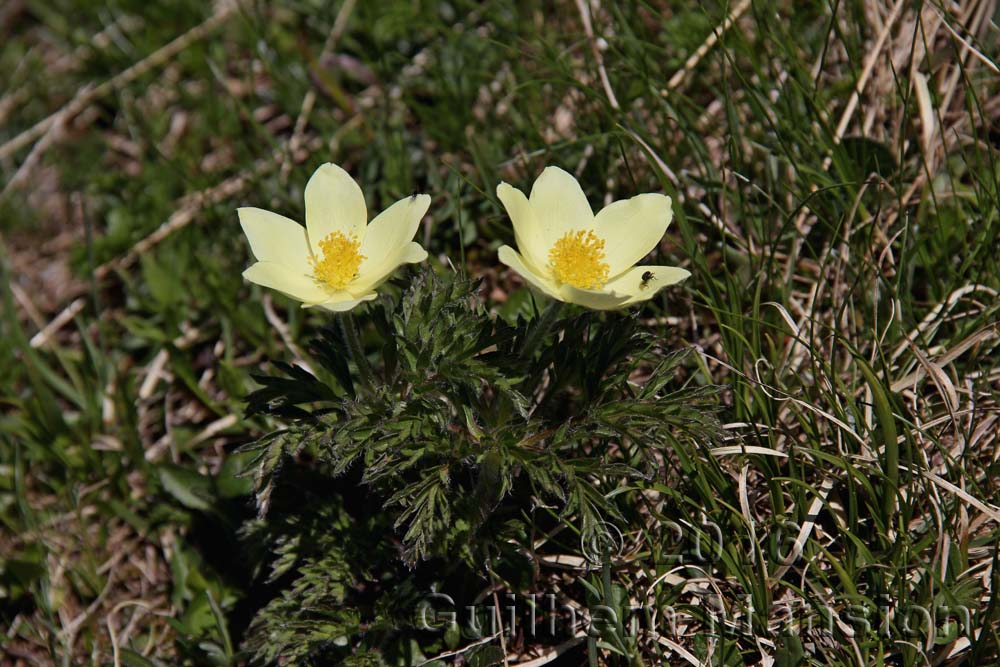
559	206
528	232
273	237
334	203
511	258
411	253
632	228
388	235
296	283
593	299
340	305
631	282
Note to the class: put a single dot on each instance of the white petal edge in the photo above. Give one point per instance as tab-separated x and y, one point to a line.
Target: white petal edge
528	233
274	238
511	258
295	284
632	228
631	284
559	204
411	253
334	203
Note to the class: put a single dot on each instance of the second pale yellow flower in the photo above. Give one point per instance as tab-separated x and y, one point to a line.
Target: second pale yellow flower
570	254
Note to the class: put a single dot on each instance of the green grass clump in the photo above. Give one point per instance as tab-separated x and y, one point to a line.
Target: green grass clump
837	200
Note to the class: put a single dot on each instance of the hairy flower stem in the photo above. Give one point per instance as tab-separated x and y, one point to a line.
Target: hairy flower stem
353	340
542	326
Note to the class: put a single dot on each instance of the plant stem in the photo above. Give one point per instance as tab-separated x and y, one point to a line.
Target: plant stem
357	351
592	651
542	326
609	598
496	604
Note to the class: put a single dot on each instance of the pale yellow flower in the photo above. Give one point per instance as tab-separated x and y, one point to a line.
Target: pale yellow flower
572	255
337	260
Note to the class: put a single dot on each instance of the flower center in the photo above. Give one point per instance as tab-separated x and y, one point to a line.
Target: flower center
339	262
577	259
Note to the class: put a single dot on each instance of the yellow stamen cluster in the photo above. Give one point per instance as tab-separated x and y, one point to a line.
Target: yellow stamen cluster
577	259
340	261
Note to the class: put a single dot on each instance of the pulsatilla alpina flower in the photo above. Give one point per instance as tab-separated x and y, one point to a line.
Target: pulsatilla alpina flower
572	255
337	260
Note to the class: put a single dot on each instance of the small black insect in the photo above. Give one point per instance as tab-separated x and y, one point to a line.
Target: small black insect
646	277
